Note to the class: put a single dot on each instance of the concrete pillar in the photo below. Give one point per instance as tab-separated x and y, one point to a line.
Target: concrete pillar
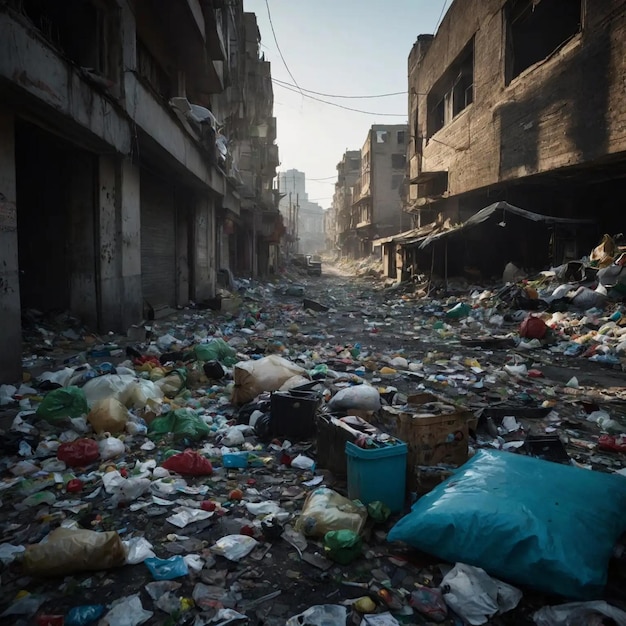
204	274
10	309
130	224
119	259
182	253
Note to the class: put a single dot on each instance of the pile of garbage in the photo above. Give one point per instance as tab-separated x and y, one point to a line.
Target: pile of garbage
282	463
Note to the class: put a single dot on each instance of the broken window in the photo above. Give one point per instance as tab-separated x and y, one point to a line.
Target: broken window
453	92
398	161
86	33
381	136
535	29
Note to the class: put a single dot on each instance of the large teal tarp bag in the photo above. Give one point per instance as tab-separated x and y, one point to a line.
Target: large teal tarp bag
545	525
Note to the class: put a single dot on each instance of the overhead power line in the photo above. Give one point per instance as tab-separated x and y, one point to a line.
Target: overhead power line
325	178
341	106
269	15
443	10
333	95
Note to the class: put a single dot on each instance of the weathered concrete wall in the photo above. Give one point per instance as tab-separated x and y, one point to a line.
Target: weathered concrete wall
11	334
565	110
204	276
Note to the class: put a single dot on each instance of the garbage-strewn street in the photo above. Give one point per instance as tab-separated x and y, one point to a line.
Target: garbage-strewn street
163	478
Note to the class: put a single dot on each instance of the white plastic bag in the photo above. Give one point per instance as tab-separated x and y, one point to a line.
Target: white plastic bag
578	614
107	386
111	447
320	615
475	596
138	549
362	397
234	547
124	489
267	374
126	612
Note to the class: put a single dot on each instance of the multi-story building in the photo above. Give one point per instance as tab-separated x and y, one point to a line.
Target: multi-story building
377	202
521	101
118	141
304	219
348	172
330	230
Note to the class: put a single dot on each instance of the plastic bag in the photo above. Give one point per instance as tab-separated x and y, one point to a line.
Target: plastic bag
521	519
216	350
173	383
62	403
579	614
320	615
126	612
294	381
138	549
325	510
267	374
430	603
111	447
108	416
84	615
167	569
213	370
378	511
342	546
475	596
68	551
533	327
361	397
234	547
142	394
125	489
182	423
189	462
79	452
107	386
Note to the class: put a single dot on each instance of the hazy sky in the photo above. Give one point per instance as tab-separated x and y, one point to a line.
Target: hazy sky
344	47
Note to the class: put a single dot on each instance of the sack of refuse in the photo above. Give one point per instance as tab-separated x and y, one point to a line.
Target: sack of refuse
267	374
108	416
579	614
361	397
325	510
320	615
521	519
69	550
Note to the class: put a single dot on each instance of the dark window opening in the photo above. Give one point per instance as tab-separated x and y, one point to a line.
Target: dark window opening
153	72
86	33
398	161
536	29
401	137
453	92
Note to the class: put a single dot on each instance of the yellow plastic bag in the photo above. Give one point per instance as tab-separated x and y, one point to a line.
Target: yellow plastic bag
68	551
108	416
326	510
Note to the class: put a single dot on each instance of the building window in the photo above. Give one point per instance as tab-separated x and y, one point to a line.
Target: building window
453	92
401	137
381	136
536	29
398	161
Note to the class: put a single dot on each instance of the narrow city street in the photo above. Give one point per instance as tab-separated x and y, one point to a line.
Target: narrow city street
343	330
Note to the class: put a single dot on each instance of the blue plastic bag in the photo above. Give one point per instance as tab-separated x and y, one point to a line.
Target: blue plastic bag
532	522
167	569
84	615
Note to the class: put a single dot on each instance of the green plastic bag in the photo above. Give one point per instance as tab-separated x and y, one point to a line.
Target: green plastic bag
378	511
216	350
62	403
342	546
182	423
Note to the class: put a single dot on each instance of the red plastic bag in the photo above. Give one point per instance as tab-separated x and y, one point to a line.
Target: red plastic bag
189	462
78	453
612	444
533	328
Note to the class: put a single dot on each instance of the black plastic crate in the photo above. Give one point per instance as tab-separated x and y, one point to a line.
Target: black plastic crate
293	414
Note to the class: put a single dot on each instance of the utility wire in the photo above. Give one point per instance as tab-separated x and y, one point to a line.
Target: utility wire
443	10
325	178
332	95
269	15
341	106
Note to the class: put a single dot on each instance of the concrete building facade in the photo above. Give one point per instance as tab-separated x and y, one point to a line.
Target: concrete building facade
116	122
348	173
377	200
520	101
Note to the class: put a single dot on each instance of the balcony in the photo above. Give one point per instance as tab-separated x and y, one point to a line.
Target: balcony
215	35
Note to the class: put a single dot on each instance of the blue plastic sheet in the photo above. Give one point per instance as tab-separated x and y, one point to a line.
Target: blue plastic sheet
532	522
167	569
